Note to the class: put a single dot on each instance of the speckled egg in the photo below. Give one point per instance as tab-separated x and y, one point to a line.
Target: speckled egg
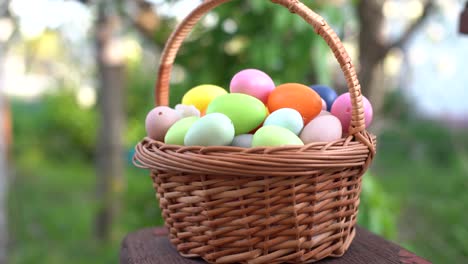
275	136
243	141
176	134
214	129
286	117
159	120
342	109
200	96
245	111
324	128
254	83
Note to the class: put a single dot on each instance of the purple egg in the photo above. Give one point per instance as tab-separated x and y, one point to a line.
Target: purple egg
159	120
342	109
254	83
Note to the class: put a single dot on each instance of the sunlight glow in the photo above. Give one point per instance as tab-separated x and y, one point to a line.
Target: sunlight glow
414	9
6	29
409	9
393	62
86	97
39	15
447	66
19	84
435	32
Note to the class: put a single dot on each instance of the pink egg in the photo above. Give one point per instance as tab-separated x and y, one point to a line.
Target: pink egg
159	120
342	109
252	82
324	128
323	112
324	105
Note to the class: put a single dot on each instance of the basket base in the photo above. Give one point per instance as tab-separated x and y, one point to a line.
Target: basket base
337	254
151	246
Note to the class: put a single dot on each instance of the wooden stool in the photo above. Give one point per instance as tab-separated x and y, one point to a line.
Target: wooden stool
151	246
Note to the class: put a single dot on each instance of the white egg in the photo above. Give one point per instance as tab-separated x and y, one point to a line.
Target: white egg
324	128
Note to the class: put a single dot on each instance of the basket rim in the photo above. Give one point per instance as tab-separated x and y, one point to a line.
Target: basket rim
259	161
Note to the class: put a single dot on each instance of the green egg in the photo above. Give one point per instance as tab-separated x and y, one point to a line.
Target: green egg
211	130
176	133
275	136
245	111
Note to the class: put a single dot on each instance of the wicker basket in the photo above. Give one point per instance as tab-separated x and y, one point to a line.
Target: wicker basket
260	205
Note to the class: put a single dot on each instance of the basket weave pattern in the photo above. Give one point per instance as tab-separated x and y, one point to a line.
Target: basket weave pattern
293	204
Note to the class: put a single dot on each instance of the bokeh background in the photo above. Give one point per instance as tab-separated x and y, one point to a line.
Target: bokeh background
76	82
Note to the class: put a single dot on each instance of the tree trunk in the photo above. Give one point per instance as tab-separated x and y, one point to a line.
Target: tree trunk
110	159
371	48
5	136
3	170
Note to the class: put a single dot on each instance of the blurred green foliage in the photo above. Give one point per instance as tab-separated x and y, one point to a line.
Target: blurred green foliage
422	164
378	210
55	124
52	209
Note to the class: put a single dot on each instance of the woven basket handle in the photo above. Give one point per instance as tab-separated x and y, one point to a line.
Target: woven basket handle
295	6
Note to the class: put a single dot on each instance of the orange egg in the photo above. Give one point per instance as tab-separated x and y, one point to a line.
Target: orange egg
296	96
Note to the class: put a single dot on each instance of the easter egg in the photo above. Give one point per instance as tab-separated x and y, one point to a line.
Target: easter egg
286	117
275	136
259	126
214	129
326	93
159	120
296	96
245	111
342	109
323	112
324	105
176	133
200	96
243	141
187	110
324	128
252	82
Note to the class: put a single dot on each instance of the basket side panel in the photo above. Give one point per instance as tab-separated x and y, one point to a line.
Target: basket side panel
260	219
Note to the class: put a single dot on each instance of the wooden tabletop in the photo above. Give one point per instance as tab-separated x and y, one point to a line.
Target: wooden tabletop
151	246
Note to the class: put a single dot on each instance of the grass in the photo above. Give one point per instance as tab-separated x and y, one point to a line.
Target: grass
425	167
52	207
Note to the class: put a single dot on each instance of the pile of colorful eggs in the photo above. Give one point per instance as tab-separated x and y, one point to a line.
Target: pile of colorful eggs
256	113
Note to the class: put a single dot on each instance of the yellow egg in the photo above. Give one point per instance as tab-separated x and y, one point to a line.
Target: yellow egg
200	96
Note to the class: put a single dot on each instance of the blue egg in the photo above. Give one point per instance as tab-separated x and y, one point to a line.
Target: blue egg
328	94
287	118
